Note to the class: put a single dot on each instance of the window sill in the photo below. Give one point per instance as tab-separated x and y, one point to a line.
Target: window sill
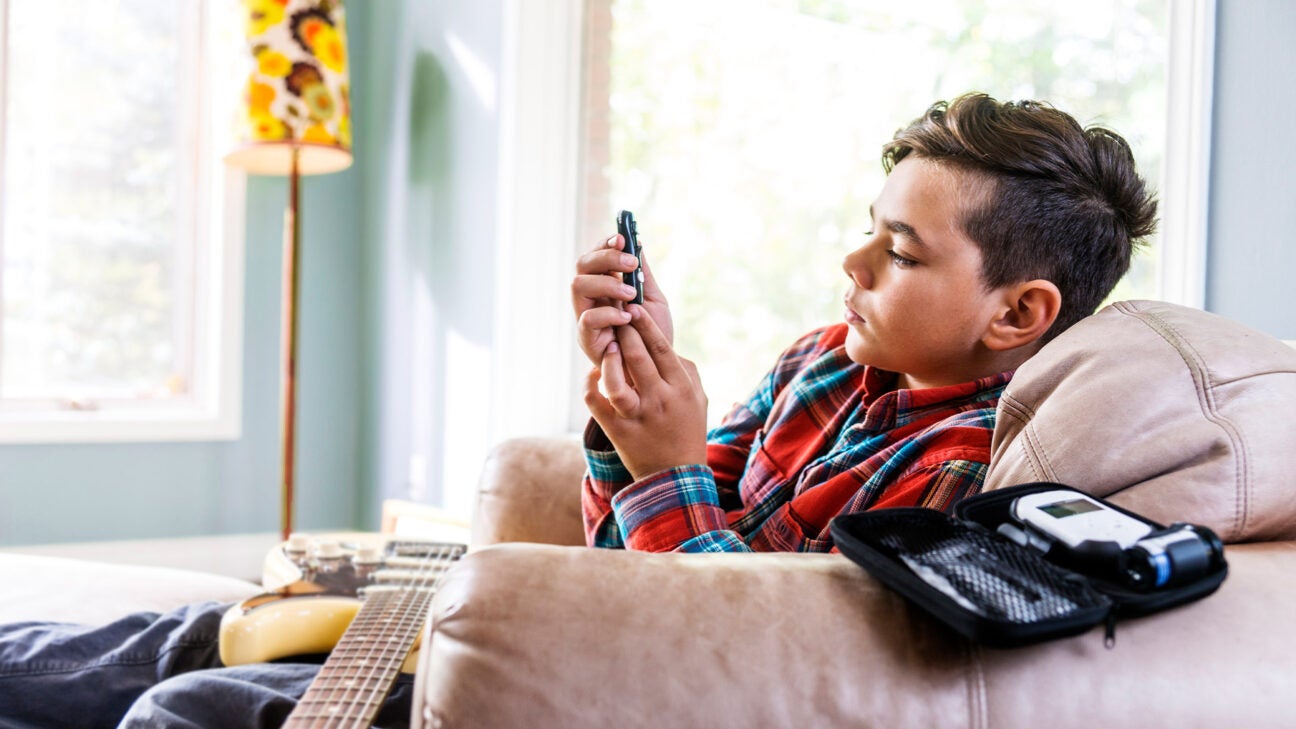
118	427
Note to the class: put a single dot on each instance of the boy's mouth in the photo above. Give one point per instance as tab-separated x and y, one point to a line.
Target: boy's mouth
851	316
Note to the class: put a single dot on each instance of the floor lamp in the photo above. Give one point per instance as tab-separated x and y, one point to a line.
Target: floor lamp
294	121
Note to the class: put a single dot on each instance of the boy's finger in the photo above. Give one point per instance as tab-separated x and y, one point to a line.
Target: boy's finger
620	395
602	317
651	289
587	287
636	359
604	260
665	361
598	405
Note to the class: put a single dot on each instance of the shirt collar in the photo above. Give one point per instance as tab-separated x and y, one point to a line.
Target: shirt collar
888	407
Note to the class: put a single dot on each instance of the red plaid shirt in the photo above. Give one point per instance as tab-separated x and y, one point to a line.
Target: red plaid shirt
820	436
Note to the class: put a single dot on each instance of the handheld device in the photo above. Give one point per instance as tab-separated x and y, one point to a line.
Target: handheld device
1139	554
630	232
1073	519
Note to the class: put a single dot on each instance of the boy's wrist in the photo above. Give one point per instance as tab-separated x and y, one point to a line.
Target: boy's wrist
595	439
645	470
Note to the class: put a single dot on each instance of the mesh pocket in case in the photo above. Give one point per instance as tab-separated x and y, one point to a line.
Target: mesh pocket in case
984	586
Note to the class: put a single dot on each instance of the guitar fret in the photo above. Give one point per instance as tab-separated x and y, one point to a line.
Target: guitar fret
350	682
357	676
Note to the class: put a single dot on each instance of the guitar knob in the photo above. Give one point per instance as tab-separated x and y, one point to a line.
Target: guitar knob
328	550
298	543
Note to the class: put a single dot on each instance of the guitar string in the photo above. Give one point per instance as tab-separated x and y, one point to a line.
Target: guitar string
412	596
414	599
359	707
363	704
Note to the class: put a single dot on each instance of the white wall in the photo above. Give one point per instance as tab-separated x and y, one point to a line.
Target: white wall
429	143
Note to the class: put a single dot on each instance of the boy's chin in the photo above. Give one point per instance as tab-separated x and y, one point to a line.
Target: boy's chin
857	349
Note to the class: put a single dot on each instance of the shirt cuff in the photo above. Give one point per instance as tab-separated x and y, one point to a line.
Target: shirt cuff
663	511
607	474
595	438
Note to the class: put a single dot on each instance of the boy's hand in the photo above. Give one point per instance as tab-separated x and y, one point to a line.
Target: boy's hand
656	419
599	296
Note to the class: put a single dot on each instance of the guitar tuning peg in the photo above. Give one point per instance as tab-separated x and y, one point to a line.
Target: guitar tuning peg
368	554
298	542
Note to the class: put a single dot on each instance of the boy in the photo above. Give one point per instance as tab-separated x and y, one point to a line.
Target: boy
999	226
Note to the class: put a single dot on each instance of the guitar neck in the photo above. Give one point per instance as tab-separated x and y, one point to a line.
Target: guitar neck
350	687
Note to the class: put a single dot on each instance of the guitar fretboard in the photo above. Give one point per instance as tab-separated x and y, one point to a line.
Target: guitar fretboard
359	672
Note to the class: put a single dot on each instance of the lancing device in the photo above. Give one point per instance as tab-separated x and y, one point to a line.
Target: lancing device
630	232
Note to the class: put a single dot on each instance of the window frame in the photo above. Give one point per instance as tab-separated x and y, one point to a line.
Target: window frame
213	411
1185	193
541	181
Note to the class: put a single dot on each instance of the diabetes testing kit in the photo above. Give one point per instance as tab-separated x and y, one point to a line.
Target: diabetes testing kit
1033	562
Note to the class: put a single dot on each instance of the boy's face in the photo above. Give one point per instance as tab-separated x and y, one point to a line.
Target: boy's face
917	305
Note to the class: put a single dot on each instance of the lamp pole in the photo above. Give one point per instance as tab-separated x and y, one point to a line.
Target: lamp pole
288	347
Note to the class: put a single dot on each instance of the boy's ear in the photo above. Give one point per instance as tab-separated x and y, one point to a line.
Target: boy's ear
1028	310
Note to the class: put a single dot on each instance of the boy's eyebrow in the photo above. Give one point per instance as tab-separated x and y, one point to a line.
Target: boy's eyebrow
901	228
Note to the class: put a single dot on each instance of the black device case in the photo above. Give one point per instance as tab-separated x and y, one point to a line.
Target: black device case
989	588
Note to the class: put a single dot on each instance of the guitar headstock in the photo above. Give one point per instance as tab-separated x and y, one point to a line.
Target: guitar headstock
352	557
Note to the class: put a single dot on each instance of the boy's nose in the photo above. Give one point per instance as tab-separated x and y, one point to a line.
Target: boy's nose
855	264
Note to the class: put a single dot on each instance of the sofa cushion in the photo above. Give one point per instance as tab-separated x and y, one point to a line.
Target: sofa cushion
1172	412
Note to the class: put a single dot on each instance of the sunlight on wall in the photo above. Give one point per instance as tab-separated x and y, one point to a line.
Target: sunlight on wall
479	75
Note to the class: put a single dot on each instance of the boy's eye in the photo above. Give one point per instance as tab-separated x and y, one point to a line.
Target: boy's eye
900	260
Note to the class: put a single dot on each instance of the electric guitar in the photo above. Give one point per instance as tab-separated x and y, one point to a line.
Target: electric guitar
364	603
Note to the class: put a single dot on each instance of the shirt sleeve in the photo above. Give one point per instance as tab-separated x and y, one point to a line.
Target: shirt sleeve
678	509
684	508
605	475
675	510
701	488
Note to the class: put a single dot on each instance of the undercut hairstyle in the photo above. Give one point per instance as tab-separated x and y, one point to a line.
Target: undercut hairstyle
1064	203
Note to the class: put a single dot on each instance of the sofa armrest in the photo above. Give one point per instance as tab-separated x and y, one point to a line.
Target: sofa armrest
532	635
530	492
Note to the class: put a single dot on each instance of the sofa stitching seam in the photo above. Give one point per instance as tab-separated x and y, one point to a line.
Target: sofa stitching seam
1205	390
977	718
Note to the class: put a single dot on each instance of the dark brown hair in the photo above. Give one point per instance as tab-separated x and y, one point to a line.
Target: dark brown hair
1065	205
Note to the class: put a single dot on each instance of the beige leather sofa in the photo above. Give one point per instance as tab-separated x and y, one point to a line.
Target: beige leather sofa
1177	414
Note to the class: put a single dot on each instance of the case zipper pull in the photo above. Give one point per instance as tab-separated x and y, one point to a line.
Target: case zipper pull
1109	635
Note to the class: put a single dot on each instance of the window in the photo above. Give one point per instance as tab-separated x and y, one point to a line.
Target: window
745	135
121	228
617	84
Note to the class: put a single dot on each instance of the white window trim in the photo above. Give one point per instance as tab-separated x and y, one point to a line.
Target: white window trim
1185	196
540	198
533	388
216	412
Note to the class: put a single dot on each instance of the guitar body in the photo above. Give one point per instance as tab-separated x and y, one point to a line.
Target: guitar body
316	589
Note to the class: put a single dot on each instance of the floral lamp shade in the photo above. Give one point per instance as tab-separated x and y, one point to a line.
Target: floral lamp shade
296	100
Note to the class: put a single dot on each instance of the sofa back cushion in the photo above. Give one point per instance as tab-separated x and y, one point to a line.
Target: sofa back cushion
1175	413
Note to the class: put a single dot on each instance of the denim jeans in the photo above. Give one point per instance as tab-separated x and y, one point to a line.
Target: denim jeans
150	670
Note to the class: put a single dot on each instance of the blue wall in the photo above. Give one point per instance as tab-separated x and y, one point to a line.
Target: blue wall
1252	250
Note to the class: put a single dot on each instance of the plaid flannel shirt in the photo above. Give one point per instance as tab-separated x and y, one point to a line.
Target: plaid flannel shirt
820	436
